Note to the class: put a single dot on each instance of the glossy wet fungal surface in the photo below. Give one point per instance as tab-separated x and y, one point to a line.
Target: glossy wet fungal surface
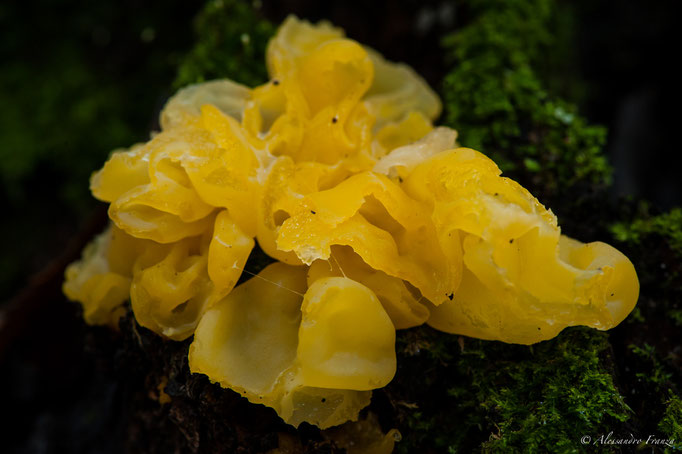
378	221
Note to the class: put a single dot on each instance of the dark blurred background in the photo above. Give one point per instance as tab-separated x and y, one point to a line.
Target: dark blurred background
78	79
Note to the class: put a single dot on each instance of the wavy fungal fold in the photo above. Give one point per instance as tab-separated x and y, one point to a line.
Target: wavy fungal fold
377	221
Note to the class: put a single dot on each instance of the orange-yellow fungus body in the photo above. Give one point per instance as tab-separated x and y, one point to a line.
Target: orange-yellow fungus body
346	339
96	282
376	219
389	230
400	303
296	354
169	294
522	282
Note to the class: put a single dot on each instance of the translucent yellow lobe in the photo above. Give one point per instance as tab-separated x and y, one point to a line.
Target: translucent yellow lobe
376	219
283	345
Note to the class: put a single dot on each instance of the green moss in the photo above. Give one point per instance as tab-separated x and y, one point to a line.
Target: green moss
496	100
499	397
671	423
231	42
652	373
667	225
511	398
635	316
654	244
655	374
562	393
676	316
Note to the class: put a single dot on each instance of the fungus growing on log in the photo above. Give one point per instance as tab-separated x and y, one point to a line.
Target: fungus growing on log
377	220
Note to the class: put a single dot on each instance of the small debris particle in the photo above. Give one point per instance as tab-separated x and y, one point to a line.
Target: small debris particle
313	212
511	241
451	295
275	82
335	119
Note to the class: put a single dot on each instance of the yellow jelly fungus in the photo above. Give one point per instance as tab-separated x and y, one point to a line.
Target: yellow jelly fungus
94	283
293	353
392	233
346	339
514	255
363	437
400	301
376	219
